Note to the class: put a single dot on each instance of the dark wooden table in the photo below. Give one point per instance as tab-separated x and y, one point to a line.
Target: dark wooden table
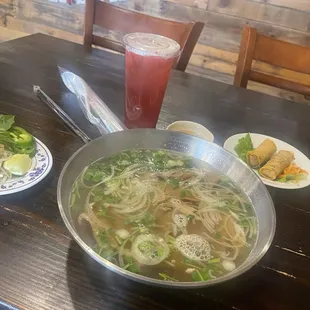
41	267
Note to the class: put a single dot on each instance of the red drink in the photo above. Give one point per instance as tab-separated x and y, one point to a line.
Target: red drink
148	66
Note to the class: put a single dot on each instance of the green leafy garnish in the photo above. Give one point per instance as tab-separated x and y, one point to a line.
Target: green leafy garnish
131	265
102	237
183	193
171	243
128	260
104	248
143	223
190	217
14	138
218	235
153	160
201	275
244	146
214	261
150	248
6	121
292	177
244	222
165	277
247	206
188	163
146	246
148	219
104	212
190	263
162	160
135	268
174	182
96	172
99	195
225	181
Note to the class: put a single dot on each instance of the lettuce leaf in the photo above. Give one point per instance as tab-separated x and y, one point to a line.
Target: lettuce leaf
293	177
244	146
6	121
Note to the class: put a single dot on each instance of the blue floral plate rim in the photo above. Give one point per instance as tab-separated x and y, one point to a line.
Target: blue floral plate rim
42	164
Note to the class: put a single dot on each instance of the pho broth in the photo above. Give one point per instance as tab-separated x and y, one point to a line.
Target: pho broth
163	215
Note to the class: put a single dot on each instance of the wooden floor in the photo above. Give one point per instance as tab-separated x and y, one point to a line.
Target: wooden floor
216	53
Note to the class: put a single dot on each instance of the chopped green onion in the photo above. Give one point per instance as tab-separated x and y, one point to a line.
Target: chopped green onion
214	261
190	217
196	276
190	263
174	182
201	275
218	235
167	278
118	239
133	267
72	200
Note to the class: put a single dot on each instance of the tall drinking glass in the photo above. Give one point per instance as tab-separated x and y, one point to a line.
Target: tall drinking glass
149	59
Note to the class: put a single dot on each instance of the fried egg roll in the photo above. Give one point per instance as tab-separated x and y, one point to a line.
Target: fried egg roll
261	154
276	164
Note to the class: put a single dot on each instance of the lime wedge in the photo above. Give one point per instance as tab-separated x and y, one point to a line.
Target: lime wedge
18	164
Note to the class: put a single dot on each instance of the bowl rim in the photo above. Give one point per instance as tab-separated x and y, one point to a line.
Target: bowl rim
200	127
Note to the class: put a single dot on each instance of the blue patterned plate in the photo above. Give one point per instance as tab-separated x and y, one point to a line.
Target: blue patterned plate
42	163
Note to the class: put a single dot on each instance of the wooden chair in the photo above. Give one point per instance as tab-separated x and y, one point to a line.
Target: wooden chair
255	46
118	19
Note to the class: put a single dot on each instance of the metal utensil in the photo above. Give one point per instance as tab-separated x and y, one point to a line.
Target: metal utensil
61	113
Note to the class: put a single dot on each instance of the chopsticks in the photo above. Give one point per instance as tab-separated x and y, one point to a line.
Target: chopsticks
61	113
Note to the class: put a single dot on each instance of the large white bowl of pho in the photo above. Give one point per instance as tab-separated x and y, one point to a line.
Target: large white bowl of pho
165	208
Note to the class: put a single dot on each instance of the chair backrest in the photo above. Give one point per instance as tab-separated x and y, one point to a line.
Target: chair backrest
255	46
118	19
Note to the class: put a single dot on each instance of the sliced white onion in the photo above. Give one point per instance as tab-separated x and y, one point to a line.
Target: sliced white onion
228	265
122	233
147	257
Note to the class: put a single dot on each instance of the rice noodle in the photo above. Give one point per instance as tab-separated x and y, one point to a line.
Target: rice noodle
120	252
94	221
218	213
227	256
4	156
4	175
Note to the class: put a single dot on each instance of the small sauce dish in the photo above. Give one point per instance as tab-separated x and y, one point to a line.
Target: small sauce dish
192	128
